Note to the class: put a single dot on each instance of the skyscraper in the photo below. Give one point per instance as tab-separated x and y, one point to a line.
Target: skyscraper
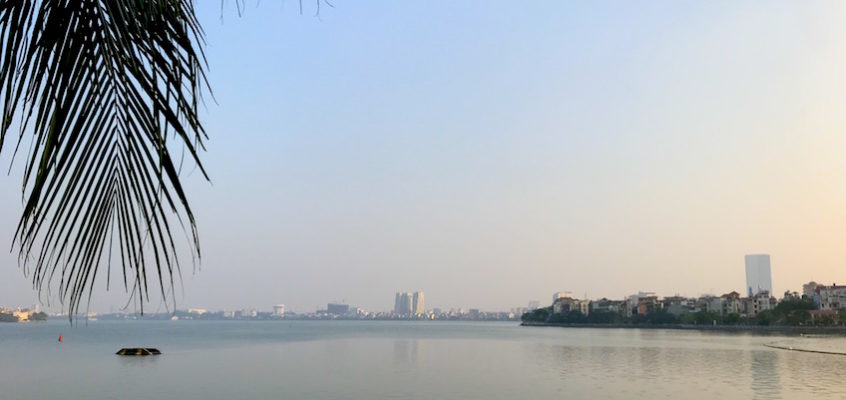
403	303
417	304
758	274
406	303
279	310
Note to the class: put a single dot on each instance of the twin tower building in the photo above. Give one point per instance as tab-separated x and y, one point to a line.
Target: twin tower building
758	275
409	303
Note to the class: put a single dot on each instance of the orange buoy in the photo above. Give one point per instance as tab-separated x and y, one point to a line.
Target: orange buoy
60	338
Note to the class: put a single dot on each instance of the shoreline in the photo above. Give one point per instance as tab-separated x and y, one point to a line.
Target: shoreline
792	330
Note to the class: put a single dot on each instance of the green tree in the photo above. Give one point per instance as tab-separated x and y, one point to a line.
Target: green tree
767	317
574	317
603	317
8	318
687	319
797	317
537	315
662	317
825	320
706	318
39	316
731	319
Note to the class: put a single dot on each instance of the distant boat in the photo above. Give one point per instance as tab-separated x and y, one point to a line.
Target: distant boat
91	316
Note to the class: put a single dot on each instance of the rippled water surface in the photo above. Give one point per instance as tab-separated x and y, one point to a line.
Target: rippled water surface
406	360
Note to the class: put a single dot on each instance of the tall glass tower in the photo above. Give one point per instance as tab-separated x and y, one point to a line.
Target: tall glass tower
758	274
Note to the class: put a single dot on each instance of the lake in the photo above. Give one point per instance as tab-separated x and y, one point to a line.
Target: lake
406	360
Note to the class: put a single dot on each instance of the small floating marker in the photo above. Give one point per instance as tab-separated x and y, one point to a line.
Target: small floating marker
138	351
60	338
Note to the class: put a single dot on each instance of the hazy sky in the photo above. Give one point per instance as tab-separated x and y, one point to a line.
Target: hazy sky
491	153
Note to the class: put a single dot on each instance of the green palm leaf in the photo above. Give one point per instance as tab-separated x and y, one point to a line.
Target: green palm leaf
99	86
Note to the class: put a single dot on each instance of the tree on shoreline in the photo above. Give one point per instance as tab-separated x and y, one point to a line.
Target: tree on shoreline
792	312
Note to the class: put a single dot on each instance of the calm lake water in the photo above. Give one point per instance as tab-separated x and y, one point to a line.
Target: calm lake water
406	360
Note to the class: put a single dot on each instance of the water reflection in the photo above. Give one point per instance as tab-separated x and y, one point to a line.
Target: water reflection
354	360
678	365
764	366
405	352
137	361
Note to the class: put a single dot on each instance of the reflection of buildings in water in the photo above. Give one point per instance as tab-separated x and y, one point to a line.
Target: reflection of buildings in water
764	371
405	351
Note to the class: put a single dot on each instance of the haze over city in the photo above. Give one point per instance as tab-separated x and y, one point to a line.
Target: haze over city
391	147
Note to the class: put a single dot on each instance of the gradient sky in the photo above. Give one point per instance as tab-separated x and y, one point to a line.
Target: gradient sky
491	153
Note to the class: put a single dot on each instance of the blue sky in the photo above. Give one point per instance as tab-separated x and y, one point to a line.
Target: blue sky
490	153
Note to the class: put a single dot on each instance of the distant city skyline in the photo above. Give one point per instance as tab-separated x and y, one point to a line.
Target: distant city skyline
492	155
757	268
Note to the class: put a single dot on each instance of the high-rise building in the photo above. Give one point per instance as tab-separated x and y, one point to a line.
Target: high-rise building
279	310
533	305
417	304
406	303
758	274
403	303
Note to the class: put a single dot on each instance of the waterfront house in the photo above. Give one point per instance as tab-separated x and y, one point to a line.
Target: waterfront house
730	303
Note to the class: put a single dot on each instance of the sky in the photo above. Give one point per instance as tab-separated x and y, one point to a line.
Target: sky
490	153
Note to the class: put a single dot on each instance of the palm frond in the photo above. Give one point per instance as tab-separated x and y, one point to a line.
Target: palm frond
99	86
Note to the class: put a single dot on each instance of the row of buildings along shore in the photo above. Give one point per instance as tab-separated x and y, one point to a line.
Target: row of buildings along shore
18	314
407	306
758	297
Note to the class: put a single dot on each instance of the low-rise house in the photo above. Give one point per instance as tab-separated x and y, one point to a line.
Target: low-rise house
730	303
582	306
22	314
821	315
747	307
564	305
709	303
678	305
605	305
811	291
762	301
751	306
648	305
832	297
633	302
630	308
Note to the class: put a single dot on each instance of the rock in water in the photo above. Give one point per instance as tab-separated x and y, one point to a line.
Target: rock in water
138	351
